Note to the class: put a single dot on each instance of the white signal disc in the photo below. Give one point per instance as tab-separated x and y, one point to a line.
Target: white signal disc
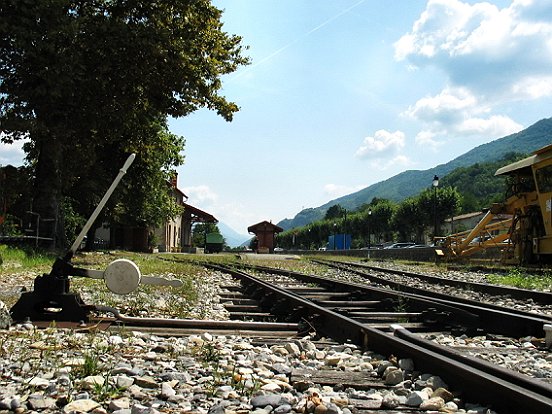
122	276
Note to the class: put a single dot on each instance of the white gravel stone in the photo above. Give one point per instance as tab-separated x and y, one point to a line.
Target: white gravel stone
150	374
80	406
5	318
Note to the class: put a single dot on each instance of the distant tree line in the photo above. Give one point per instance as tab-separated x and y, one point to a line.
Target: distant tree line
416	219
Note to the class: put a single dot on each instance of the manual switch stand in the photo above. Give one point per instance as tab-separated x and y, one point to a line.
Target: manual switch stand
51	299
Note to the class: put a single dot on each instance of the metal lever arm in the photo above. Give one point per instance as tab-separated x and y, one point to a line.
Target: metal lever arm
146	280
161	281
99	207
123	276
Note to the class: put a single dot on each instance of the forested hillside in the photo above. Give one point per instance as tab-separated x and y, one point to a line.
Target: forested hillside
478	185
409	183
416	218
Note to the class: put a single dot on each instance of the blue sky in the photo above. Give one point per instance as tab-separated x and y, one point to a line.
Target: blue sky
342	94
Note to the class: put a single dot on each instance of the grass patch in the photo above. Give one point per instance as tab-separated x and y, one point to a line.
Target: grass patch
21	266
172	302
13	258
519	278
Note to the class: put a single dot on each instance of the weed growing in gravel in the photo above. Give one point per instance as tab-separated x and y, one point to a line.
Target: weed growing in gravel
519	278
401	305
107	389
245	386
209	353
90	366
180	302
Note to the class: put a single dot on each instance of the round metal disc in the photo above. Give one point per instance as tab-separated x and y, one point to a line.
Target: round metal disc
122	276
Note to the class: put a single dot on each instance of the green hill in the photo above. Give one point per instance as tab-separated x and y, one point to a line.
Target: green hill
409	183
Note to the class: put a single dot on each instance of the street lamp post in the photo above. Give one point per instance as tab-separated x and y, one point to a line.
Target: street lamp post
369	220
345	230
435	184
335	229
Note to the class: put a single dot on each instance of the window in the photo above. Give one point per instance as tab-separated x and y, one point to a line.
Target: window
544	179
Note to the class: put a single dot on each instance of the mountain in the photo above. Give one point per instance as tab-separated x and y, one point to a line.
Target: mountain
232	237
410	183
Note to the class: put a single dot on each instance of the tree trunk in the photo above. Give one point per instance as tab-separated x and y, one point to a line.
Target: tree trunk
48	192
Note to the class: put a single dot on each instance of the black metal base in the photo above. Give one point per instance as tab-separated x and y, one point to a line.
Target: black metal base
62	307
51	299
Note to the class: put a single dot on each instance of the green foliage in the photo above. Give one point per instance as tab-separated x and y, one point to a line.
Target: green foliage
90	82
361	224
478	185
10	226
334	212
521	279
15	199
199	232
90	366
73	221
146	183
380	221
209	352
406	220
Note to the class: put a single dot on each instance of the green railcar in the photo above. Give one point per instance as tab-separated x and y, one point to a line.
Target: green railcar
214	243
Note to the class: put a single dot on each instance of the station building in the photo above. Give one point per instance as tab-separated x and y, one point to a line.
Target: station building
265	232
173	236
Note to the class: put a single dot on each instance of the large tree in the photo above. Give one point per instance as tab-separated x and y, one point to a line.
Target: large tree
88	82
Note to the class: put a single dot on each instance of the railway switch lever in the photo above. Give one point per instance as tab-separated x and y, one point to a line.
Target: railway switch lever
51	298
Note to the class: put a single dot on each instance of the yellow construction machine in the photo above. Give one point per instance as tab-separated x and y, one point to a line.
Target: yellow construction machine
521	226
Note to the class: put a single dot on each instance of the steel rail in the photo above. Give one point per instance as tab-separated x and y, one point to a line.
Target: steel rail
500	392
544	298
504	373
195	323
512	319
491	317
455	314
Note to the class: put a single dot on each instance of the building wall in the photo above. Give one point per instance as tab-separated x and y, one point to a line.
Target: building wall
169	236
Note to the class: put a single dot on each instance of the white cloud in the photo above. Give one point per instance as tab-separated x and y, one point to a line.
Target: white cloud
200	195
427	139
456	112
533	88
400	160
235	215
446	107
489	50
382	144
494	126
335	190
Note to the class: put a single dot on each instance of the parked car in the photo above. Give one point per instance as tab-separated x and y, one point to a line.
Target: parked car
278	249
480	239
419	246
400	245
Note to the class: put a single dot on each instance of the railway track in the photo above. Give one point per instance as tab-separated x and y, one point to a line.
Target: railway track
389	323
280	308
466	314
381	275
